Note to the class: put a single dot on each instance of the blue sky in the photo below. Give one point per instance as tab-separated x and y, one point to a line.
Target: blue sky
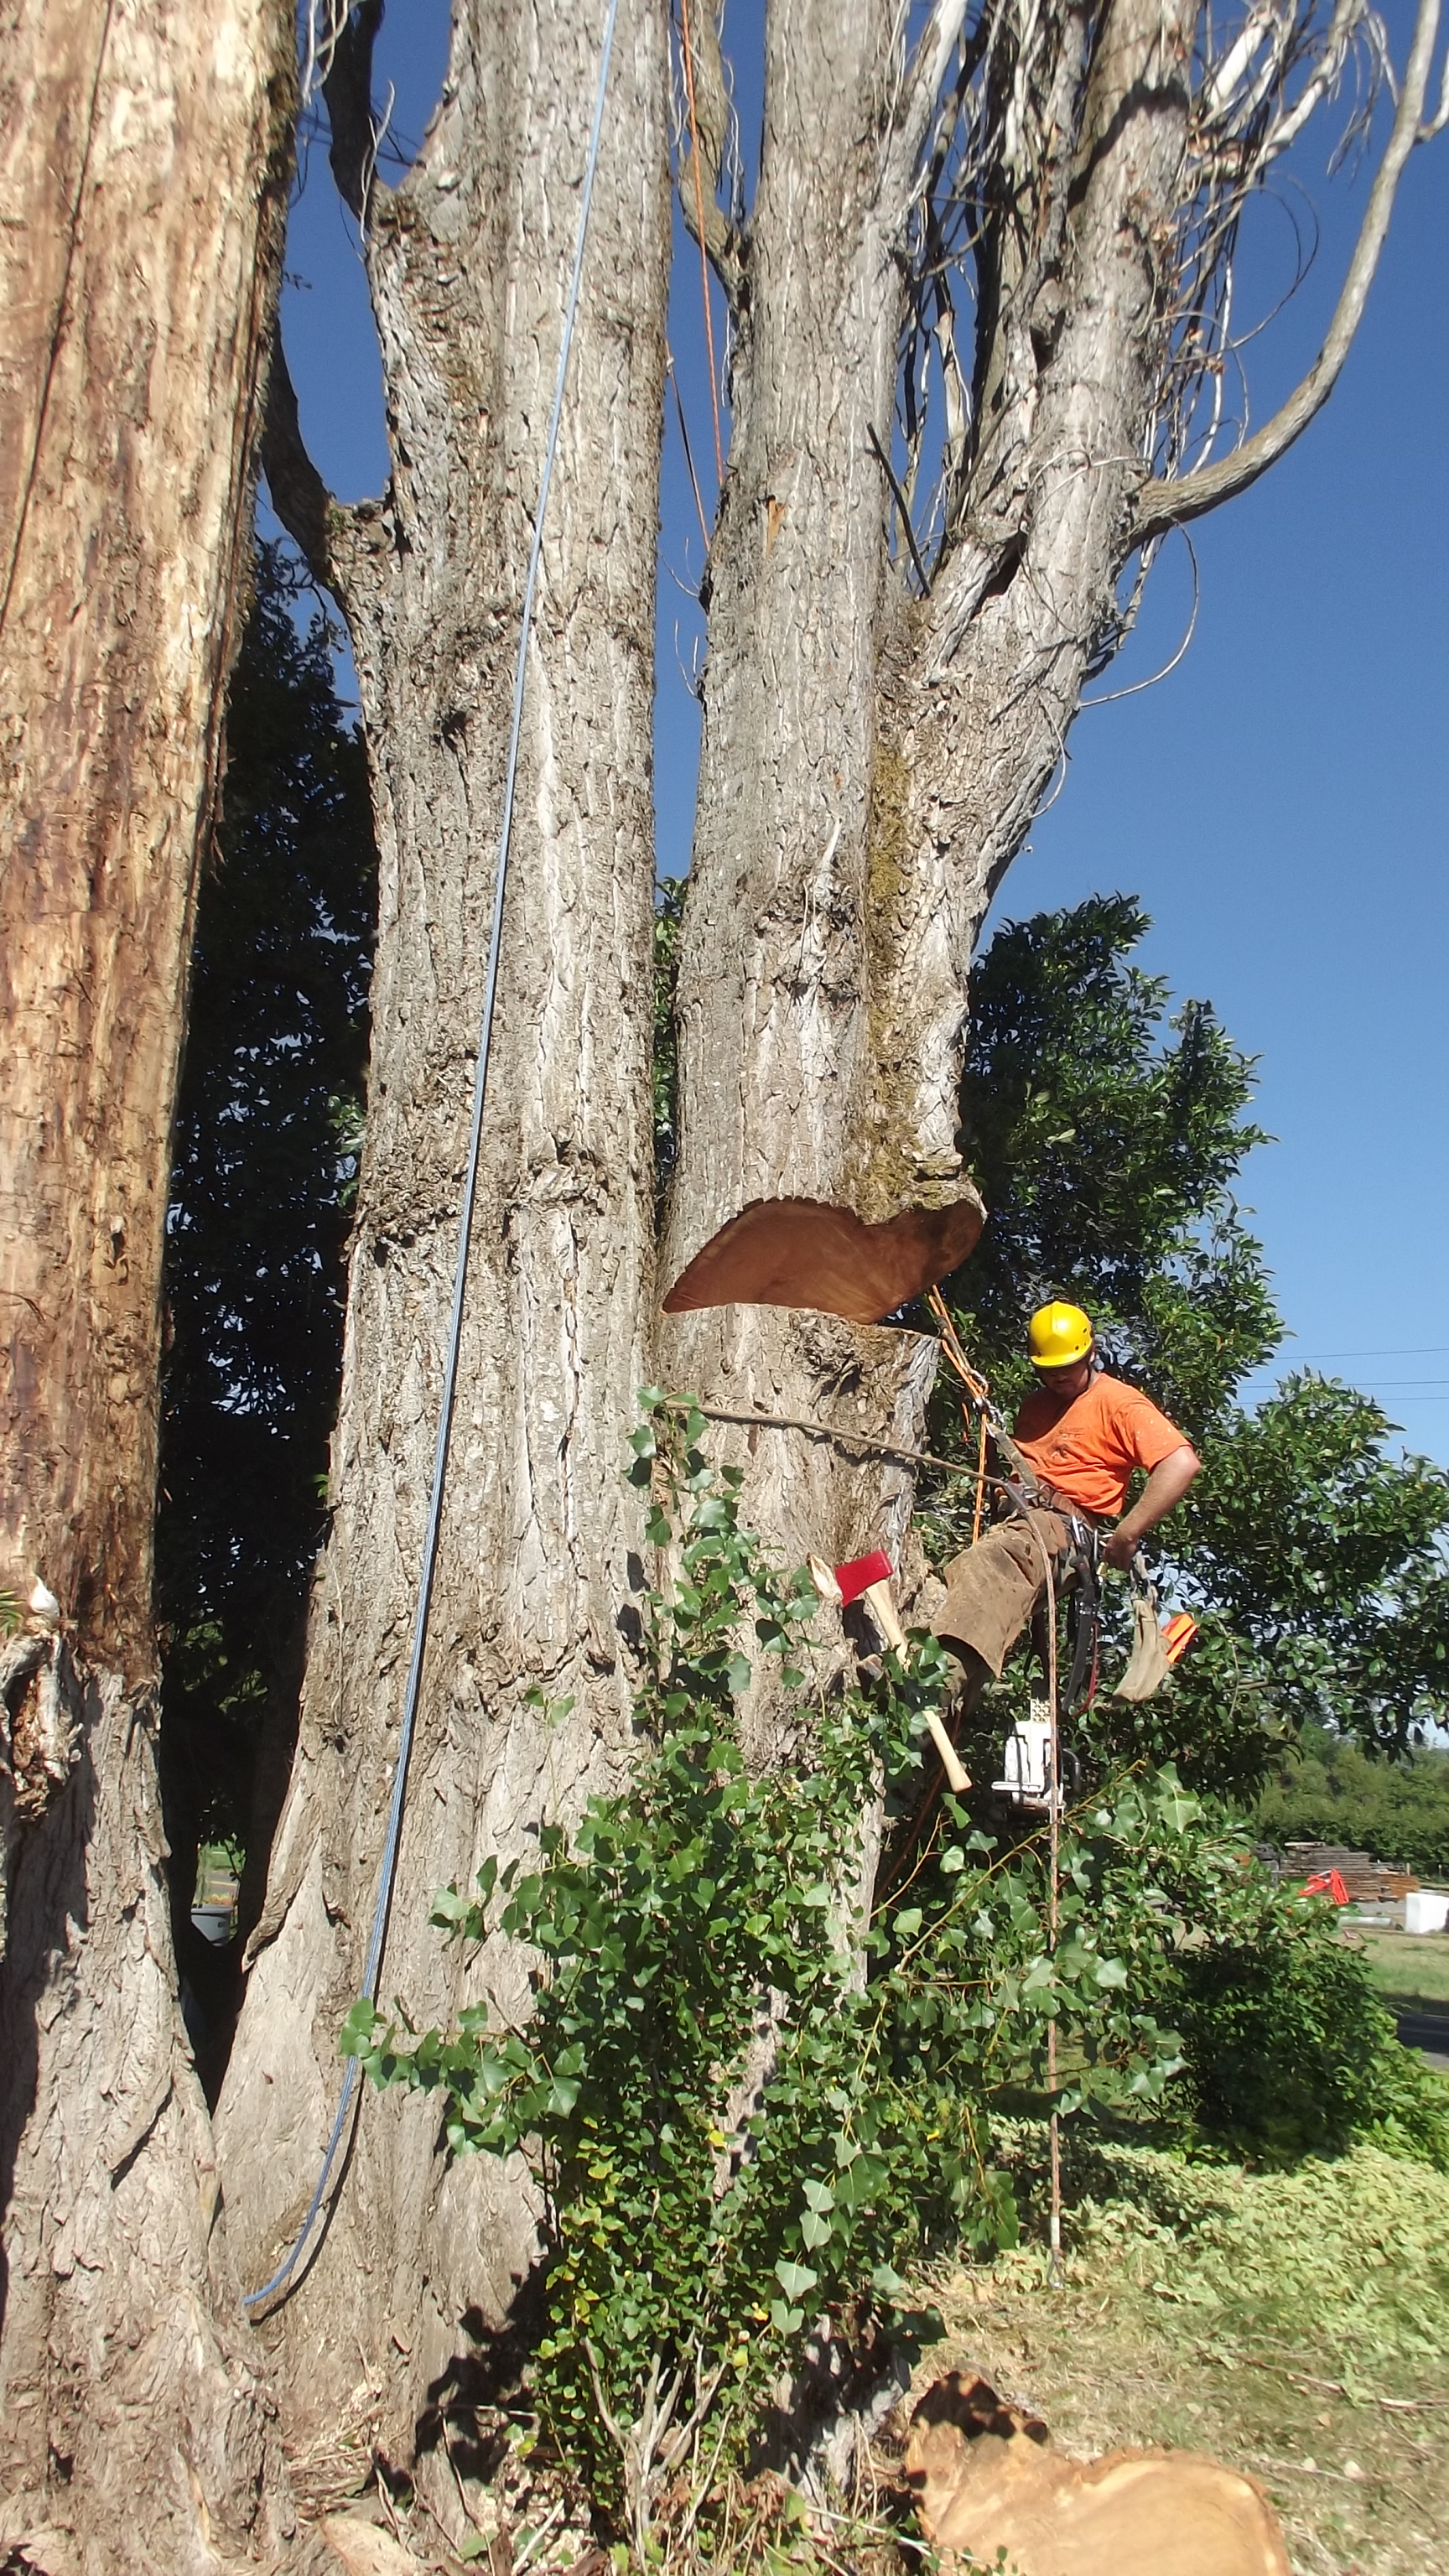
1278	802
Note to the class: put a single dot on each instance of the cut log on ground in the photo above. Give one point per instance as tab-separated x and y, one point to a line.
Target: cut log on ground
986	2479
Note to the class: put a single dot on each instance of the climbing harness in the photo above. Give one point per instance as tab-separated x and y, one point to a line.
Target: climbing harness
408	1722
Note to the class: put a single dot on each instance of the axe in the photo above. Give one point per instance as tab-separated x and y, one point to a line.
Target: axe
868	1579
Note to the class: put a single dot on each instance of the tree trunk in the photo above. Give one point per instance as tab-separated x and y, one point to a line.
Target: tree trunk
142	187
469	263
875	748
872	760
776	1021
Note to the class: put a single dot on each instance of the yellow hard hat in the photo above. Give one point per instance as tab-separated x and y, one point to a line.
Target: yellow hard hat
1057	1335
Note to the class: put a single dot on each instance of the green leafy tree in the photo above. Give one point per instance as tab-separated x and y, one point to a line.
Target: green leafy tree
1107	1152
1322	1560
1334	1791
265	1156
1108	1143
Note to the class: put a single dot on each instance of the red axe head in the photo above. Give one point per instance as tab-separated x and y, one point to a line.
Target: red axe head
841	1584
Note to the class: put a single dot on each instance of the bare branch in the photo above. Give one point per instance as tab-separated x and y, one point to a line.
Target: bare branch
1169	503
1348	17
698	181
1441	114
907	531
926	71
347	89
299	496
323	23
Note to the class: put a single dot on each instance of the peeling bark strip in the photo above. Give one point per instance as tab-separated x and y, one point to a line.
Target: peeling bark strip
142	176
141	199
469	265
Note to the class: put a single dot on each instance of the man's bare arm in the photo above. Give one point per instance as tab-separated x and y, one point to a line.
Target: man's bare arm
1163	1490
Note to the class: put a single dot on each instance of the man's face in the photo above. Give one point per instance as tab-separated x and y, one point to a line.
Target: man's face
1067	1383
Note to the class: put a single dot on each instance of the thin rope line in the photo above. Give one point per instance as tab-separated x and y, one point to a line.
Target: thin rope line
831	1431
470	1192
688	451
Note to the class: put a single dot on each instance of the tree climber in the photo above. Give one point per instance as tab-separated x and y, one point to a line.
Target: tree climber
1082	1433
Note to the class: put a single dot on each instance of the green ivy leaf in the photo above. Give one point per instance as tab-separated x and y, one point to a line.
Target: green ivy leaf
795	2279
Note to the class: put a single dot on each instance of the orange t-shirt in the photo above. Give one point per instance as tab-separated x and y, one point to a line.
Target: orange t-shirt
1088	1448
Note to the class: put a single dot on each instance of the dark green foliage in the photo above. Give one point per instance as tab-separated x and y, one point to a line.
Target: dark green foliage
1313	1557
1324	1559
668	915
1286	2048
1107	1159
1335	1792
1289	2050
267	1139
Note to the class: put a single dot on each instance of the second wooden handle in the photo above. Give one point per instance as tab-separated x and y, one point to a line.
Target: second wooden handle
960	1780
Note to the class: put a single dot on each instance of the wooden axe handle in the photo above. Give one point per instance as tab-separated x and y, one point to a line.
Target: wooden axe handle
887	1618
959	1780
885	1614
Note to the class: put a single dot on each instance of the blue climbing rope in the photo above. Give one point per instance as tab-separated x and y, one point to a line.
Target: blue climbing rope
465	1216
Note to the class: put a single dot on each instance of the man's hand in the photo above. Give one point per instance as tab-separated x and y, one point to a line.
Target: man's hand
1164	1489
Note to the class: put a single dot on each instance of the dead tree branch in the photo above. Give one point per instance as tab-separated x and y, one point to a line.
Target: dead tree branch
299	496
347	89
1169	503
921	89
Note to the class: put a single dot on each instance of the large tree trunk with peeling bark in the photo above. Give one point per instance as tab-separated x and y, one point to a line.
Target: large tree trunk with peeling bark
873	759
879	731
876	743
469	263
142	186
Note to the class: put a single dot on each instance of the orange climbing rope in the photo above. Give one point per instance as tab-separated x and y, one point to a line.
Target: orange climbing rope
977	1389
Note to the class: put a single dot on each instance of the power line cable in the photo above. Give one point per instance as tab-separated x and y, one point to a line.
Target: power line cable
1388	1351
470	1191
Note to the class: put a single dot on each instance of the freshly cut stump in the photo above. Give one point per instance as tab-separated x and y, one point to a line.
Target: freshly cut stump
985	2479
809	1253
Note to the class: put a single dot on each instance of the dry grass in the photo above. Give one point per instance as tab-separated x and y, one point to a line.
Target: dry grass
1294	2325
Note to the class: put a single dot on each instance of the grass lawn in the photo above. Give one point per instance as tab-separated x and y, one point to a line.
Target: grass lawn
1408	1968
1294	2324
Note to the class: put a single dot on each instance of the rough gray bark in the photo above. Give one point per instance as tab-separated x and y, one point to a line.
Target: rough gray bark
778	1043
142	182
872	756
469	261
